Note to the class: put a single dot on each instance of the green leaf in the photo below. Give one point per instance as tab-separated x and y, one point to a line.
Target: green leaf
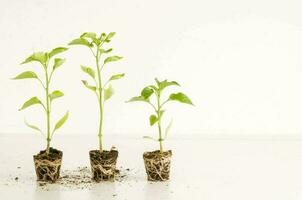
139	98
105	51
60	123
90	35
109	36
154	88
32	126
88	71
150	138
58	62
168	128
180	97
80	41
93	88
30	102
57	51
38	56
55	94
112	59
102	36
108	92
166	83
27	74
152	119
147	92
116	76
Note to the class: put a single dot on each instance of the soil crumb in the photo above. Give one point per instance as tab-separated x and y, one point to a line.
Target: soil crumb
79	179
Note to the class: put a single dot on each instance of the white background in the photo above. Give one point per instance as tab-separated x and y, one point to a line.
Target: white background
239	61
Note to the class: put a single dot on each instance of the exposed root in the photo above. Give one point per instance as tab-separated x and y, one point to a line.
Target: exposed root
47	170
103	165
157	165
48	166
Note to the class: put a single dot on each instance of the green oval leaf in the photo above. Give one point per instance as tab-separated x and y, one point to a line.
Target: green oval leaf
88	71
58	62
27	74
105	51
60	123
168	128
80	41
166	83
147	92
57	51
55	94
38	56
102	36
152	119
93	88
180	97
108	92
109	36
139	98
30	102
112	59
116	76
90	35
150	138
32	126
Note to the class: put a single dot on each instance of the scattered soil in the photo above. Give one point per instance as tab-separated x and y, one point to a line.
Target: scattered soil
158	165
103	164
78	179
48	165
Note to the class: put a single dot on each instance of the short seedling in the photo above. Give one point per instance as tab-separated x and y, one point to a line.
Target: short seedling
157	163
45	59
158	106
102	90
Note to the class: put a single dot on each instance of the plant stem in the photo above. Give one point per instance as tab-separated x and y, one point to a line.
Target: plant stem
47	109
160	139
100	135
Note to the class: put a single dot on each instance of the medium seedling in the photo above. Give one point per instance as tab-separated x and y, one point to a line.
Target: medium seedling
45	59
158	106
102	90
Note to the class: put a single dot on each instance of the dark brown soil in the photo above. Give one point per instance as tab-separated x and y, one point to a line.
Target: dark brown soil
158	165
48	165
103	165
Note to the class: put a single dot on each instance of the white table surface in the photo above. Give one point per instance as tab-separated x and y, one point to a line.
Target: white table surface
202	168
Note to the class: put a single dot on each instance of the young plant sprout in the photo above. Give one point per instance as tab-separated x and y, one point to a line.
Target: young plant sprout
102	89
103	163
158	106
49	63
47	162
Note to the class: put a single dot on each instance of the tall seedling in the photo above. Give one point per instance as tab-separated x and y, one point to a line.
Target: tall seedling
102	89
50	64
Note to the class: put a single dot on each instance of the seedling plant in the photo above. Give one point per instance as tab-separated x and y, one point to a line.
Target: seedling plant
102	89
50	64
158	106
